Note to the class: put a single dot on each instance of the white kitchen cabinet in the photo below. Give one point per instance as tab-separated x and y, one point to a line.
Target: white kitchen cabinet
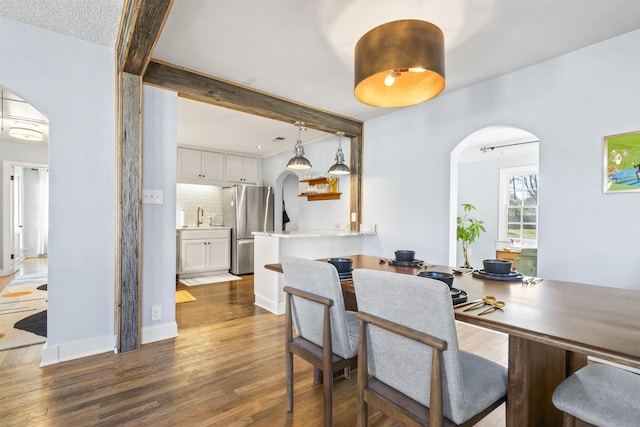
200	167
241	169
206	250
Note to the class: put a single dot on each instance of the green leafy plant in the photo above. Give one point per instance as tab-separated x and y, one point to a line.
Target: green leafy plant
468	231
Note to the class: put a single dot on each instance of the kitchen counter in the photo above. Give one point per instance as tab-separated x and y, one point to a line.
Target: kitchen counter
270	247
202	227
311	233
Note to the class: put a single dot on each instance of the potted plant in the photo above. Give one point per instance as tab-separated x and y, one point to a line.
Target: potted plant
468	231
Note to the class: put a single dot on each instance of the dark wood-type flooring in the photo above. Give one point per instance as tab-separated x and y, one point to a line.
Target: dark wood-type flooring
226	368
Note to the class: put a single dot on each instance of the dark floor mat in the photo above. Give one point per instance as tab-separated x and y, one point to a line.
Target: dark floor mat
36	324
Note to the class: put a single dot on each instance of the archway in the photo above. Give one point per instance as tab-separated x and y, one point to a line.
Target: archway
481	155
285	199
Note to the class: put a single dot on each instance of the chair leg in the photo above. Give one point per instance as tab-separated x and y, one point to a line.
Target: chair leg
568	420
327	379
347	372
289	367
317	376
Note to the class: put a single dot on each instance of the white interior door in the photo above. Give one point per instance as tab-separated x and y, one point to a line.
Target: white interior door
17	218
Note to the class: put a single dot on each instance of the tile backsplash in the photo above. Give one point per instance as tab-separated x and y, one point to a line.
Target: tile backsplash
191	196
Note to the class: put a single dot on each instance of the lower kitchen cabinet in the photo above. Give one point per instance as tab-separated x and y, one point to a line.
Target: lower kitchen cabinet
204	251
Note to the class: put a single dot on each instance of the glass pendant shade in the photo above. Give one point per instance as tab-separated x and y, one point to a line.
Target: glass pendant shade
400	63
298	161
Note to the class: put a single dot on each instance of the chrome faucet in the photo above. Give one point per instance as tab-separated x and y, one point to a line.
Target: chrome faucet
200	214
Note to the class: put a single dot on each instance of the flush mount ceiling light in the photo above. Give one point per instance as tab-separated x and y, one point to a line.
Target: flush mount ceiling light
298	161
400	63
339	168
27	131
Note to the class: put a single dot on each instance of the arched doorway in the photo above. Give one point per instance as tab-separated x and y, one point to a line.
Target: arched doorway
285	200
24	219
476	165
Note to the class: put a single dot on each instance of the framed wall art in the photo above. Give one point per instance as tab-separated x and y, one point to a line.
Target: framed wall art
622	163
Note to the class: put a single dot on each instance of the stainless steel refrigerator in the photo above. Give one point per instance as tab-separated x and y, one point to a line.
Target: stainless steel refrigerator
246	208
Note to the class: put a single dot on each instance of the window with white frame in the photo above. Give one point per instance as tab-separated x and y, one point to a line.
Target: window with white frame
519	204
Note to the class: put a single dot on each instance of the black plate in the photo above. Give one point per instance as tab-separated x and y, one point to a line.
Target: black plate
511	277
460	296
413	263
488	273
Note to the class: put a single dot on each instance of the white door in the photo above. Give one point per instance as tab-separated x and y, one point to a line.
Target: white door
16	219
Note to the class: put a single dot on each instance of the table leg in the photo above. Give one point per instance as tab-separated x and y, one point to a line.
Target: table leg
535	370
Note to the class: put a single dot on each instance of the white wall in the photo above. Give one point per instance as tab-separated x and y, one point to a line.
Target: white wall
159	158
315	215
570	103
72	83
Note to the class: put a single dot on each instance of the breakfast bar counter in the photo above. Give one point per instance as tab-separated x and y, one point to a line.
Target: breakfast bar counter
552	326
269	247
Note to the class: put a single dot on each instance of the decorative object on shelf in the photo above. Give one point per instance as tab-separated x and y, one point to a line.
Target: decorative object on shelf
400	63
622	163
298	161
339	168
321	188
468	230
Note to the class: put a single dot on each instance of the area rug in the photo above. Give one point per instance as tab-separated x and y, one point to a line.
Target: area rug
184	296
23	314
196	281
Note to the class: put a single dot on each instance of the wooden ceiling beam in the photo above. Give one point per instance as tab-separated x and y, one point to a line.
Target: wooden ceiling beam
141	25
201	87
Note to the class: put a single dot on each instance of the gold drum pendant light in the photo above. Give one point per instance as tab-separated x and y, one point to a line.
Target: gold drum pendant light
400	63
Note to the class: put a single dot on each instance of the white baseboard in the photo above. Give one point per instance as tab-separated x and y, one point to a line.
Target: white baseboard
159	332
269	305
52	354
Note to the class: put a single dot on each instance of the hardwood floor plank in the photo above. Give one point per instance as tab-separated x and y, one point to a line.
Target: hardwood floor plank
226	368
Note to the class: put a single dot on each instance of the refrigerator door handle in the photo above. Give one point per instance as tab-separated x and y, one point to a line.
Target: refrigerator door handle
266	210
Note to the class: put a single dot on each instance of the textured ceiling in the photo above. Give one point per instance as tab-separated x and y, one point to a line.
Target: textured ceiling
95	21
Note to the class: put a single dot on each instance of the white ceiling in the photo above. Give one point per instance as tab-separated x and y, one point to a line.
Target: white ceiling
303	50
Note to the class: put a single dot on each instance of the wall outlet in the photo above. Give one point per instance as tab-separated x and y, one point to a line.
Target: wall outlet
156	312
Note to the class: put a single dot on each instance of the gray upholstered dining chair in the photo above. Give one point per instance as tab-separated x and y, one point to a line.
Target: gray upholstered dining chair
527	262
410	366
327	334
602	395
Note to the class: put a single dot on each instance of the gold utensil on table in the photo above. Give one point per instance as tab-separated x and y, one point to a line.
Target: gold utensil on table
486	300
495	306
464	304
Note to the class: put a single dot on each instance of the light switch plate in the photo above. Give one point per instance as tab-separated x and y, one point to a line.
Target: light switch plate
152	197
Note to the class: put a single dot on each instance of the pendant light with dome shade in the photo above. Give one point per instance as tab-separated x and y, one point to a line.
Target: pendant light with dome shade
339	168
298	161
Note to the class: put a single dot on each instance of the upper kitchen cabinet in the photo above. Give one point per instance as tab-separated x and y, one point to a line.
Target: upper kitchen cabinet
242	169
200	167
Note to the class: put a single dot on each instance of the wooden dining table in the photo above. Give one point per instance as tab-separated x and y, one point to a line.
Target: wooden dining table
553	327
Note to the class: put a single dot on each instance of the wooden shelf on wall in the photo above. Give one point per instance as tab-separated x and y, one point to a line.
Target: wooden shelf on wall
320	196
